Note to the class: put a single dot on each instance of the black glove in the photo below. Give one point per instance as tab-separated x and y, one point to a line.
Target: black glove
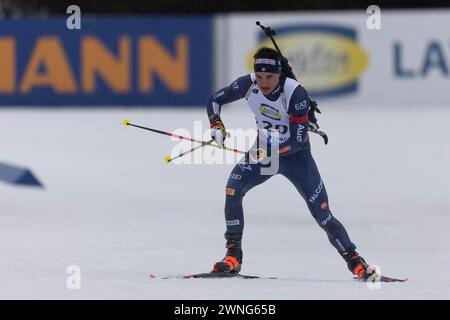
312	120
311	114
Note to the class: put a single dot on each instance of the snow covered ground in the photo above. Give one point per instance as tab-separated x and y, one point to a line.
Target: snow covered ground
113	207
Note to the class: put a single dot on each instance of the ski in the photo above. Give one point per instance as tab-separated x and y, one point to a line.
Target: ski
382	279
216	275
212	275
226	275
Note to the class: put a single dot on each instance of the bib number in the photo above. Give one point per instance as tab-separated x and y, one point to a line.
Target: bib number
282	129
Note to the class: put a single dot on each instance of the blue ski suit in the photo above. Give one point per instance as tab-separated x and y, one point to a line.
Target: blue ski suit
295	160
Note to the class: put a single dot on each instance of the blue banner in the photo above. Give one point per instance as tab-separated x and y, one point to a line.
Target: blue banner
110	61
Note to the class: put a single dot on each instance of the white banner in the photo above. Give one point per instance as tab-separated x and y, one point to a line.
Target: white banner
336	56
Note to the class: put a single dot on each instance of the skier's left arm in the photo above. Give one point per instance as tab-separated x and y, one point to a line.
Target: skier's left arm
298	122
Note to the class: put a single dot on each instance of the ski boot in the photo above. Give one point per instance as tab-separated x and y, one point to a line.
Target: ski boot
233	257
357	265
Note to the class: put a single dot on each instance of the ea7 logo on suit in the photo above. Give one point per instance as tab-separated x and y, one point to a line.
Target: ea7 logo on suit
300	106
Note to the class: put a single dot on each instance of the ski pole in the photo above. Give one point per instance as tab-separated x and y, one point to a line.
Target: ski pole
127	122
168	159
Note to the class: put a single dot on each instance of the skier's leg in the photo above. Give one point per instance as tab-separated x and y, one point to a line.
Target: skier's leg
244	177
303	173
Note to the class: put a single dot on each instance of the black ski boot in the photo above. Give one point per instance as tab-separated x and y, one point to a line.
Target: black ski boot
357	265
233	257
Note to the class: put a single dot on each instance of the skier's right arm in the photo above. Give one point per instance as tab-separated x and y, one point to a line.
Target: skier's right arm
237	90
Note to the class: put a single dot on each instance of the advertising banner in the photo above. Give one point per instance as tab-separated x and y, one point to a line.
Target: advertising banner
335	55
139	61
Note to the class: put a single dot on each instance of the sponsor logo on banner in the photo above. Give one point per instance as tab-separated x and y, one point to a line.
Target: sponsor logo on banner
434	60
327	56
121	61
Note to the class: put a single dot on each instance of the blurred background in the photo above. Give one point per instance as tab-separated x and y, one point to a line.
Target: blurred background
78	188
173	52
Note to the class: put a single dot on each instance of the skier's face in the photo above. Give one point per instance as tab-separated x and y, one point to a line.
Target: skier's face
267	81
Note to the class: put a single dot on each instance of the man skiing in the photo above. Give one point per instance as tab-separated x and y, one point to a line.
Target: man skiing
281	106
